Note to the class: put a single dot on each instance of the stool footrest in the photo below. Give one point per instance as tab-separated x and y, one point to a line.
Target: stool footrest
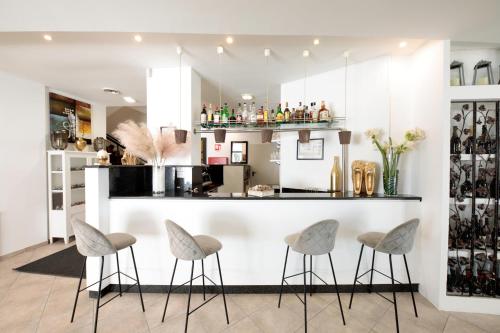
302	273
107	277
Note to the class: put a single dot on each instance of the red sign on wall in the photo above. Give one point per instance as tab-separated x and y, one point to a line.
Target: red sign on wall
217	146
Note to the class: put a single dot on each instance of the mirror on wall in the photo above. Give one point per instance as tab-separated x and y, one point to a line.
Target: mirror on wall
239	152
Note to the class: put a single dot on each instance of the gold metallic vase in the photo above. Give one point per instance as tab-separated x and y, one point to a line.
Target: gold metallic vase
80	144
357	176
369	177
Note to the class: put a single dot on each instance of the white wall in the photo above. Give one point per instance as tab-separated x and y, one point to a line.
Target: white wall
23	210
163	104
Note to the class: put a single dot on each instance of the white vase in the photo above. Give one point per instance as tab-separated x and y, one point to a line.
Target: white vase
158	180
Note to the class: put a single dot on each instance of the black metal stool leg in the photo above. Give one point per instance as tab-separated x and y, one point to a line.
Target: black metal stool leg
137	277
118	269
394	294
203	277
411	287
222	287
169	290
356	276
283	278
189	297
78	290
98	296
310	275
336	288
305	296
370	288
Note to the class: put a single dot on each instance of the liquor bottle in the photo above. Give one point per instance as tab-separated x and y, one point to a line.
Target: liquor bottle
299	113
280	117
314	113
455	142
272	117
466	188
232	119
266	115
239	115
217	116
260	115
484	141
481	185
210	115
335	177
287	113
252	114
203	116
493	185
324	114
293	115
244	113
307	116
468	143
225	115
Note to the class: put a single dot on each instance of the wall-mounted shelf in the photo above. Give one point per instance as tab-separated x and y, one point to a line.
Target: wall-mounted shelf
475	93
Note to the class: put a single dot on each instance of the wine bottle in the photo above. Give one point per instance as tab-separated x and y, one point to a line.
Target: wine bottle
244	113
324	114
466	187
481	185
287	113
210	114
232	119
455	142
280	117
335	177
203	116
484	141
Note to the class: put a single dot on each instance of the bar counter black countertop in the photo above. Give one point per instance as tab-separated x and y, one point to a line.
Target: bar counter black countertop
276	196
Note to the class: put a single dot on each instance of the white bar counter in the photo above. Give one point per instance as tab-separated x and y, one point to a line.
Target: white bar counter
252	232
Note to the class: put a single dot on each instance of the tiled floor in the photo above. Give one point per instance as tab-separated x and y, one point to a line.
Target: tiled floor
39	303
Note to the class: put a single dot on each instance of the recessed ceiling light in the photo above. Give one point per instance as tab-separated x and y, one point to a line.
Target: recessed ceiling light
403	44
305	53
220	50
47	37
178	49
246	97
111	91
316	41
229	40
346	54
267	52
128	99
138	38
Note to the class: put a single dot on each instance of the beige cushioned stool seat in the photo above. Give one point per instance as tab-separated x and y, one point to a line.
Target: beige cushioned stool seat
208	244
121	240
371	239
291	239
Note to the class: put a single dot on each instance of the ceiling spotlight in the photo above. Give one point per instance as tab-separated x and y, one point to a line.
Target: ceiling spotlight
178	49
220	50
346	54
267	52
47	37
138	38
128	99
246	97
305	53
316	41
403	44
111	91
229	40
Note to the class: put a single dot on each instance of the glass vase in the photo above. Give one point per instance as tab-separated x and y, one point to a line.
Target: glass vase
391	182
158	180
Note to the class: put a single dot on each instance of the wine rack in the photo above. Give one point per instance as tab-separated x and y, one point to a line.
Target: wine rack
473	243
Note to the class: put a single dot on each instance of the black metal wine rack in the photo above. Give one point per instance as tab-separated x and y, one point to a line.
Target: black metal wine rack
473	243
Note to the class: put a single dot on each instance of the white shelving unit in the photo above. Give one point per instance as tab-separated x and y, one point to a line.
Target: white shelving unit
65	170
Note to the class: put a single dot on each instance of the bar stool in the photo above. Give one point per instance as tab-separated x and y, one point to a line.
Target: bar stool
315	240
90	242
398	241
190	248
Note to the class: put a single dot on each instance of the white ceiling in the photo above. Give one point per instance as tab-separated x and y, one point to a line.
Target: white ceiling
82	63
460	20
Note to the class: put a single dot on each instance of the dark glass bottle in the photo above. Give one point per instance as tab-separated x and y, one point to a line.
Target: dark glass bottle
481	185
484	141
466	187
468	143
455	142
493	184
232	119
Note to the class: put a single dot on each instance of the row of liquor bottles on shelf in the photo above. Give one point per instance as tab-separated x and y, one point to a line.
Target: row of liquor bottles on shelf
484	189
484	144
249	115
462	230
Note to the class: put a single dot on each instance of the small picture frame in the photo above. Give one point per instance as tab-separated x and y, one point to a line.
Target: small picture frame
313	150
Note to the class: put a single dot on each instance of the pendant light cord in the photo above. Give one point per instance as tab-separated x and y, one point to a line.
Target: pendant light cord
345	91
267	83
180	90
389	92
220	94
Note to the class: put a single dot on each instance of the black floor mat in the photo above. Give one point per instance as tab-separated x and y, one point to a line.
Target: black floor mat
67	263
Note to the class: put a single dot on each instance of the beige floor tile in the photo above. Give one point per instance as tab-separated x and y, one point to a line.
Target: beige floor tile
314	304
272	319
155	303
244	325
457	325
212	314
330	320
250	303
176	325
490	323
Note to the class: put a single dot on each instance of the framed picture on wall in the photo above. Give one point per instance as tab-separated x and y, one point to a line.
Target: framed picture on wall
313	150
